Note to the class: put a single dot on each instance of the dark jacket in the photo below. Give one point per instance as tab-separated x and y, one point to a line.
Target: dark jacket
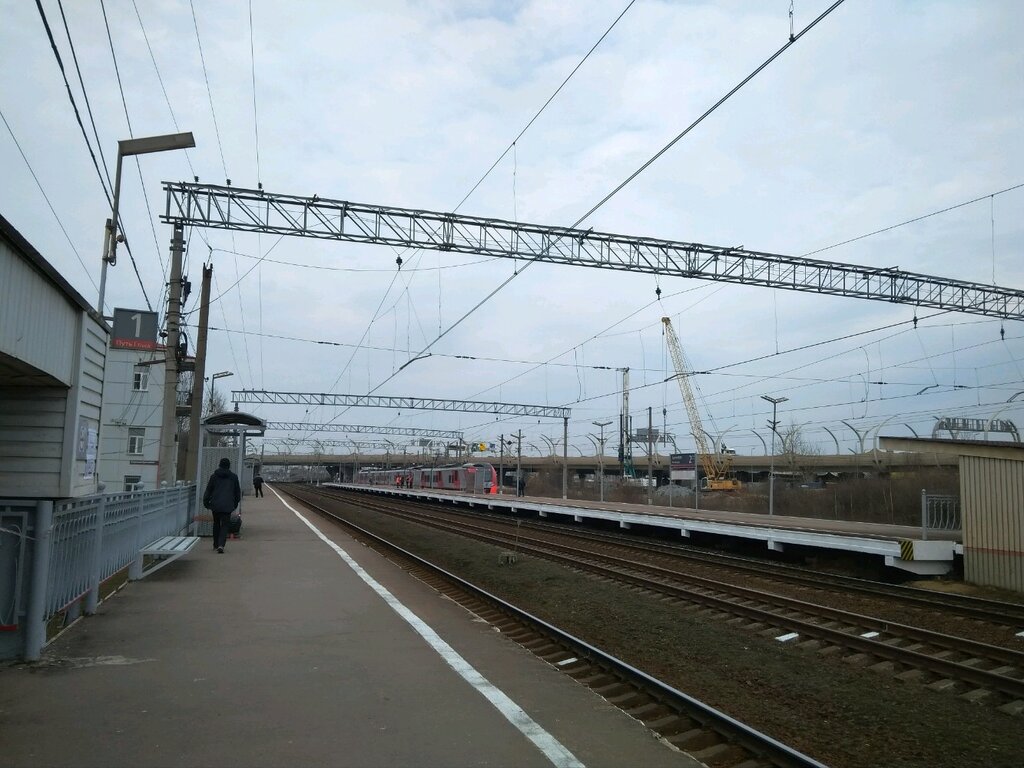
257	481
222	492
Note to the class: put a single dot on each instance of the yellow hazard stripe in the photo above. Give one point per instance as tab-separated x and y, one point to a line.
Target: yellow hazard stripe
906	549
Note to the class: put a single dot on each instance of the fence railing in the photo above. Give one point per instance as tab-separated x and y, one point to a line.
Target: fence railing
76	544
939	512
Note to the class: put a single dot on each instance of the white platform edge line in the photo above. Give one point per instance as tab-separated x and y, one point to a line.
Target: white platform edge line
552	749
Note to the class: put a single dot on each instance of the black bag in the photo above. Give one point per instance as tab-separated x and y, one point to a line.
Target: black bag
235	522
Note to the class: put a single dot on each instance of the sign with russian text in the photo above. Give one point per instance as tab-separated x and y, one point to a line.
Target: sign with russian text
134	329
682	466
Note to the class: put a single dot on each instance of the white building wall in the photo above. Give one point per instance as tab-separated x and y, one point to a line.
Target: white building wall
124	408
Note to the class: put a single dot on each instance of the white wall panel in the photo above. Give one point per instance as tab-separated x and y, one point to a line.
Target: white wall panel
38	324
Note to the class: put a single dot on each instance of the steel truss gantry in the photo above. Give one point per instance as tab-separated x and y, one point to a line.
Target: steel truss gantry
250	210
298	426
406	403
382	445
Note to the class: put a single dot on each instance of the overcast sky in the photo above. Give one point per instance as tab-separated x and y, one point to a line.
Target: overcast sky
882	113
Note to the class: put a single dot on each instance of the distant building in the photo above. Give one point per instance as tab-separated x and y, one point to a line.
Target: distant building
133	396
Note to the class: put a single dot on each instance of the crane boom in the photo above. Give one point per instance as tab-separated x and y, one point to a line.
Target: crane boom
716	466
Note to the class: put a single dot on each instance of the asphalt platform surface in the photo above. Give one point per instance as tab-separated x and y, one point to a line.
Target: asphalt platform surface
280	653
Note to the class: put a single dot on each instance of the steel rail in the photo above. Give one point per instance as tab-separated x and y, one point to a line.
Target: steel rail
992	611
254	210
1009	686
752	740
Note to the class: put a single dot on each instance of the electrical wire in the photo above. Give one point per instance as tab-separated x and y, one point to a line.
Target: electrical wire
914	220
629	179
551	98
209	91
138	165
47	199
711	109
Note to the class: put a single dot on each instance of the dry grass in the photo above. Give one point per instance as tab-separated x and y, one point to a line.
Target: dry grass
894	500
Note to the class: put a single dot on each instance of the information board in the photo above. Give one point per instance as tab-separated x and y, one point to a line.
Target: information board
134	329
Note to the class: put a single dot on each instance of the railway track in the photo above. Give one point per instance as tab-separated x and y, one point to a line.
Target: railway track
687	724
990	611
977	671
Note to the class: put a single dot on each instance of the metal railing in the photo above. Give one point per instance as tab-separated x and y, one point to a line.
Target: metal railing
78	543
939	513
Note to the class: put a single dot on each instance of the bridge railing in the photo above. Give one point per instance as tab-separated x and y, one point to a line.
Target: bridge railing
62	550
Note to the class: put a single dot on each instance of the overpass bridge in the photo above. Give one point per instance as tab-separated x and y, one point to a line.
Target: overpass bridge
747	468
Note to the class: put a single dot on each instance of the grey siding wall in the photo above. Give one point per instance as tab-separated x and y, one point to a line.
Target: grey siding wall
88	397
993	521
36	337
39	455
32	423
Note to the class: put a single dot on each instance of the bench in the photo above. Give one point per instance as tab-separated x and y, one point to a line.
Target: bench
166	549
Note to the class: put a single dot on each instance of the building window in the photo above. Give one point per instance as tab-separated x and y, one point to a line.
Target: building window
140	379
136	437
133	482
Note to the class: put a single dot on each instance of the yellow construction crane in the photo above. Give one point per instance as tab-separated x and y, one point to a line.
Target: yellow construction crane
717	466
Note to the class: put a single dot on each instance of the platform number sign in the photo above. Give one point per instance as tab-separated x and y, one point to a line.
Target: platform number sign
134	329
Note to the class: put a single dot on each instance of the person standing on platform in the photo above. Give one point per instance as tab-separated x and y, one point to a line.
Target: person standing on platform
223	493
257	485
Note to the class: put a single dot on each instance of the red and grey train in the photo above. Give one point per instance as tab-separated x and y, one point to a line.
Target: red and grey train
469	478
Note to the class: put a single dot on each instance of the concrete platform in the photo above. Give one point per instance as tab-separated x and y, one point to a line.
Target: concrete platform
289	650
900	547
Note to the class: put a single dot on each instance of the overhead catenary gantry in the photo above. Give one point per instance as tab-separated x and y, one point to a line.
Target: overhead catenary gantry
417	403
252	210
356	429
403	403
376	445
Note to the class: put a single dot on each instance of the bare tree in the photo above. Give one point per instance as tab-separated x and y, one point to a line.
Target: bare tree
795	442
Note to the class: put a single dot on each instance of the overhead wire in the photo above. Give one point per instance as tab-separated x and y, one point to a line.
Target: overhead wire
46	197
792	40
209	91
104	181
487	173
259	179
138	165
914	221
629	179
544	106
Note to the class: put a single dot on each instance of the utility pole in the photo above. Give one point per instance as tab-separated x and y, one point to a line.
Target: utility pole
196	415
501	464
625	431
600	460
565	457
168	430
519	464
650	459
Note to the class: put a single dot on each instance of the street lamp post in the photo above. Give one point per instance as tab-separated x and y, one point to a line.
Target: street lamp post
600	459
167	467
213	379
774	424
126	148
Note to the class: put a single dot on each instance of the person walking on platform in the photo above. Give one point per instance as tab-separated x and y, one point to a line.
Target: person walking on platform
223	493
257	485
